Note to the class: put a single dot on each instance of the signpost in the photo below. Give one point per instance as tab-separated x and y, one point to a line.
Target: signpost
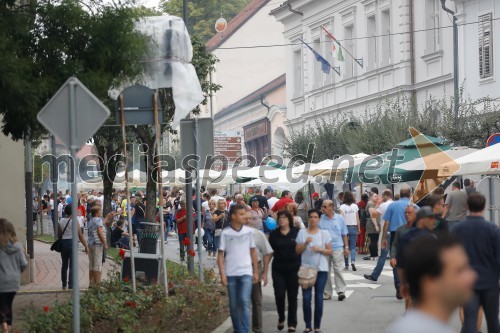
72	105
228	144
139	105
191	130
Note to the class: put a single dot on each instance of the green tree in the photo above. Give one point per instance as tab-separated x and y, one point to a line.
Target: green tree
202	14
386	124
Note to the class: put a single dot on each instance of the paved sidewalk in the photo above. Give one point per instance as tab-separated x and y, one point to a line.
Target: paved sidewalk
48	270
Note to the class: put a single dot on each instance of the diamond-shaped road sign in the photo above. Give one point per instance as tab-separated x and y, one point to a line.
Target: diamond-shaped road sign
88	114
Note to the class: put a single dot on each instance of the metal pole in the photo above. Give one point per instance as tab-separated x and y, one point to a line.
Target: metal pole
492	199
74	209
211	97
127	193
185	12
198	199
160	197
28	181
54	182
189	219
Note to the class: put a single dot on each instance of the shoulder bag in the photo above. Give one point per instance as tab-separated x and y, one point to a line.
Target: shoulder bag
57	245
307	275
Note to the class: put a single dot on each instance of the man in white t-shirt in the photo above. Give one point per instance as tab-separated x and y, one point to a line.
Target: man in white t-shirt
60	207
237	260
271	198
214	195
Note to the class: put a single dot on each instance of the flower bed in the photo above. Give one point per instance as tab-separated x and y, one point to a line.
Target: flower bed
113	307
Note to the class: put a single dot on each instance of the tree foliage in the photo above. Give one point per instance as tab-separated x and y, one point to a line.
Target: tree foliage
95	42
379	129
202	14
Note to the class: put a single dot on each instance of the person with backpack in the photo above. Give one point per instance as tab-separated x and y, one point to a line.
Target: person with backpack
12	264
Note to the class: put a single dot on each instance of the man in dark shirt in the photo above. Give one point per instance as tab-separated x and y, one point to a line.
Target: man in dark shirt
481	240
262	200
118	236
318	202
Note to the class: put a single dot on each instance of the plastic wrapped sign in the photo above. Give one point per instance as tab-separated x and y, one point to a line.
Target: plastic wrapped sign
168	63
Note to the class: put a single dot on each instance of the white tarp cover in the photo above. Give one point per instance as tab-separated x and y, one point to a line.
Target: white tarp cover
168	63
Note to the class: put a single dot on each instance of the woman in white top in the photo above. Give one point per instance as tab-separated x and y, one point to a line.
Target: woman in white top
315	247
349	211
66	235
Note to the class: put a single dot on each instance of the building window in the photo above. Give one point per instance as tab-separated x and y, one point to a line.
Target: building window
349	45
485	46
297	73
386	46
371	32
432	8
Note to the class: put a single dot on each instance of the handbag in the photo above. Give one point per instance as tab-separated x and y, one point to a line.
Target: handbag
307	275
57	245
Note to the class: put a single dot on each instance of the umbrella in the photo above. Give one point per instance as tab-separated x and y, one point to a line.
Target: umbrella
382	169
482	162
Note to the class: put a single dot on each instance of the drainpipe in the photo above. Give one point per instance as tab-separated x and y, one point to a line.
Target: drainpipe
293	10
455	60
412	55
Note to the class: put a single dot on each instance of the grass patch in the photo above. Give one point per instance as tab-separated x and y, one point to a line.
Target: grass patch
45	238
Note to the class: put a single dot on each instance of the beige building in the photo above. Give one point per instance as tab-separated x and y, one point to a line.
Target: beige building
252	100
13	206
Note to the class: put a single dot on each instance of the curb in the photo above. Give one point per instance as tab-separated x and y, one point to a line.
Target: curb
225	327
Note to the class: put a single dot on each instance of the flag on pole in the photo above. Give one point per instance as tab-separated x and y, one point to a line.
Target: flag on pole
325	65
337	48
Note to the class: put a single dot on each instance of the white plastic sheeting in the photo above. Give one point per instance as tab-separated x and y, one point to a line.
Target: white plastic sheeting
168	63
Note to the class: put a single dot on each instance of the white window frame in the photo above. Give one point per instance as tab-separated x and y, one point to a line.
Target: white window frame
433	24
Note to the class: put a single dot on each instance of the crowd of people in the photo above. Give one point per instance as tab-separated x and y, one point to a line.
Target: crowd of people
443	253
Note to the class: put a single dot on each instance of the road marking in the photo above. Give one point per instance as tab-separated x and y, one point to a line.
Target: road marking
364	285
348	293
351	277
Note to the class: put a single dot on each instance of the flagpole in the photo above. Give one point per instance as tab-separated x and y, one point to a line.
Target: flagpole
358	61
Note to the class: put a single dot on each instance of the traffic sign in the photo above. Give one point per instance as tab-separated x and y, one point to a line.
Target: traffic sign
493	139
89	114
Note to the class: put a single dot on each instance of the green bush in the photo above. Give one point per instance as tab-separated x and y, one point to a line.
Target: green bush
113	307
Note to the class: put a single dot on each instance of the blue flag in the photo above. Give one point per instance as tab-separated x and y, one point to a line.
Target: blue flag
325	65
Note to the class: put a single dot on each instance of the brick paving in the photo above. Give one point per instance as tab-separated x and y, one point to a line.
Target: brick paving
48	270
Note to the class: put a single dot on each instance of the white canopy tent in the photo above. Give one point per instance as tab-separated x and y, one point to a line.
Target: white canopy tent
434	160
482	162
331	168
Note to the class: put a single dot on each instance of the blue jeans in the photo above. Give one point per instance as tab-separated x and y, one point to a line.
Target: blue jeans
240	292
319	289
216	243
351	237
380	266
210	234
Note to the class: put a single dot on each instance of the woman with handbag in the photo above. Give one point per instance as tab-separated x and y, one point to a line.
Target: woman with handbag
219	216
66	249
285	266
314	246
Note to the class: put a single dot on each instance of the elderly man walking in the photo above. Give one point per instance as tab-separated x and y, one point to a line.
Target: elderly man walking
336	226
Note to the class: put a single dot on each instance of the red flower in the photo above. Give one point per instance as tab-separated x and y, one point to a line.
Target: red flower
45	308
170	284
131	304
191	253
125	279
186	241
122	253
